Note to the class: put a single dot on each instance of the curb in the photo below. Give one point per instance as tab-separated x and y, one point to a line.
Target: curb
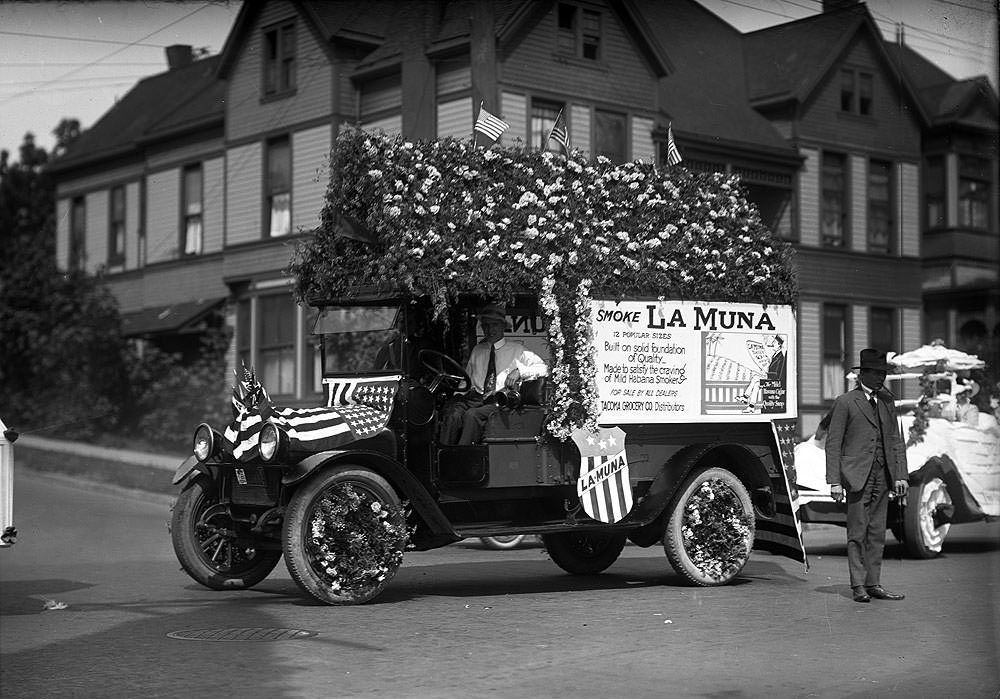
122	468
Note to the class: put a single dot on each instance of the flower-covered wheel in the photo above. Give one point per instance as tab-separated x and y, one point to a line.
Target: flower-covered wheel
344	536
210	546
584	553
923	534
710	531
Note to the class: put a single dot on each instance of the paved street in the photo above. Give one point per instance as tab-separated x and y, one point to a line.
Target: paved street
467	622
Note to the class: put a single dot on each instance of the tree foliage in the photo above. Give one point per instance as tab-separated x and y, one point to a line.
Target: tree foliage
65	368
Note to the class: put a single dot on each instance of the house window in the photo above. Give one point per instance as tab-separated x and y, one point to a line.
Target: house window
579	31
974	192
191	226
276	343
882	329
543	116
856	92
116	227
834	204
834	349
774	195
279	59
279	187
934	192
609	135
880	221
77	233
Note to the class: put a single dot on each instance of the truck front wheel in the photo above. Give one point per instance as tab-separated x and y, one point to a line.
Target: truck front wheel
710	531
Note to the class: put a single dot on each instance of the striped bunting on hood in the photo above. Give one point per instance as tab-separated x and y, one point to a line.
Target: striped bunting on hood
357	409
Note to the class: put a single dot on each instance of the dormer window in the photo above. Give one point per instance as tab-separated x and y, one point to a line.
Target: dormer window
856	92
579	31
279	59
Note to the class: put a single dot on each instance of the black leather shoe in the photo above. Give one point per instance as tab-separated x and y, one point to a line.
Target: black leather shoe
860	595
879	592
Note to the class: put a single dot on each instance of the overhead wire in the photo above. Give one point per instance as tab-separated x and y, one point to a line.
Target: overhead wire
103	58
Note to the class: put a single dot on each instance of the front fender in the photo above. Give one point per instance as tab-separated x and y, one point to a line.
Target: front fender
442	532
188	466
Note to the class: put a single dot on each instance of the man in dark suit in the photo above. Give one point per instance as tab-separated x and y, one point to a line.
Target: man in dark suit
866	457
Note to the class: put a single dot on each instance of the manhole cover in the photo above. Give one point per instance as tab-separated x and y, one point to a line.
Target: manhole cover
252	634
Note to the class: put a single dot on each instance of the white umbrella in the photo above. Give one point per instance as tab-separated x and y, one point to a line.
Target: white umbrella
932	355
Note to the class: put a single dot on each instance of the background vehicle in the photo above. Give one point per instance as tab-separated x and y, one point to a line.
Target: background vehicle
954	466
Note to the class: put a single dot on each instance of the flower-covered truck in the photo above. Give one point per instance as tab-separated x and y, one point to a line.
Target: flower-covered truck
663	308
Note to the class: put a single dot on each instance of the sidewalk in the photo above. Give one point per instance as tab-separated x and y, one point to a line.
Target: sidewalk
121	467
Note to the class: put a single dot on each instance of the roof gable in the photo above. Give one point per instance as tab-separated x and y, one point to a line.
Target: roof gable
789	62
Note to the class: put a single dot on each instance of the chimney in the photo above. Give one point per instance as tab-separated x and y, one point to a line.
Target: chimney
179	55
833	5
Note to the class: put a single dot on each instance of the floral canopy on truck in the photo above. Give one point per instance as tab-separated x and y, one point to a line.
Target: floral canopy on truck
443	218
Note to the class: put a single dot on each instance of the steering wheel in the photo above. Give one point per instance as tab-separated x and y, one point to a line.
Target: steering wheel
447	371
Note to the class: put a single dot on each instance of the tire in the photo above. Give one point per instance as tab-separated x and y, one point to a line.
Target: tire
365	566
205	544
502	543
584	553
681	548
922	538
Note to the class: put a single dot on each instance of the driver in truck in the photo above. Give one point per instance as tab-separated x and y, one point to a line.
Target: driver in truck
494	363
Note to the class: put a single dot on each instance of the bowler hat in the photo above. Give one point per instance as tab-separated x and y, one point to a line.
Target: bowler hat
872	358
492	312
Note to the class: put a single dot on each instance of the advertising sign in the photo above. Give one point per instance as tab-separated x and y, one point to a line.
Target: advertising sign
686	361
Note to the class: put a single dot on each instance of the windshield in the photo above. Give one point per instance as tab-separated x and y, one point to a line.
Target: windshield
355	338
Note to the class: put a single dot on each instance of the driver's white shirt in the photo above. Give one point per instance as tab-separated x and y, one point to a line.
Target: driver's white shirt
510	355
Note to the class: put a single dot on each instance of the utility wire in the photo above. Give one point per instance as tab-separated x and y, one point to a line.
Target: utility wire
103	58
85	39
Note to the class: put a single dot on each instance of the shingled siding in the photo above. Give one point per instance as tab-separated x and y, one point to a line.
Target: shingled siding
392	125
621	77
247	114
200	277
310	173
244	190
163	207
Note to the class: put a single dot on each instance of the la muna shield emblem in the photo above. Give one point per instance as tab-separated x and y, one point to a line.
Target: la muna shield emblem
603	486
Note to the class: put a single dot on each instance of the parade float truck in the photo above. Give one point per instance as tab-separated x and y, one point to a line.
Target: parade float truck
660	302
953	463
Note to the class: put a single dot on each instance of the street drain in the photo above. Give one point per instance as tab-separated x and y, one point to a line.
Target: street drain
251	634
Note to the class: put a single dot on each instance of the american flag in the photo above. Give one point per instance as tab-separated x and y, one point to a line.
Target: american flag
490	125
783	533
560	133
673	155
357	409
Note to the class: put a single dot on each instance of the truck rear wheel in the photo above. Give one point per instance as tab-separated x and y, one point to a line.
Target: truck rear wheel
710	531
584	553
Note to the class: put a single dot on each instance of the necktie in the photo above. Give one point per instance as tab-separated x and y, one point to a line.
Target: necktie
874	403
491	373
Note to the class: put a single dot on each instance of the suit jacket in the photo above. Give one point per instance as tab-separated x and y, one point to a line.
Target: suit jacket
850	444
776	369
